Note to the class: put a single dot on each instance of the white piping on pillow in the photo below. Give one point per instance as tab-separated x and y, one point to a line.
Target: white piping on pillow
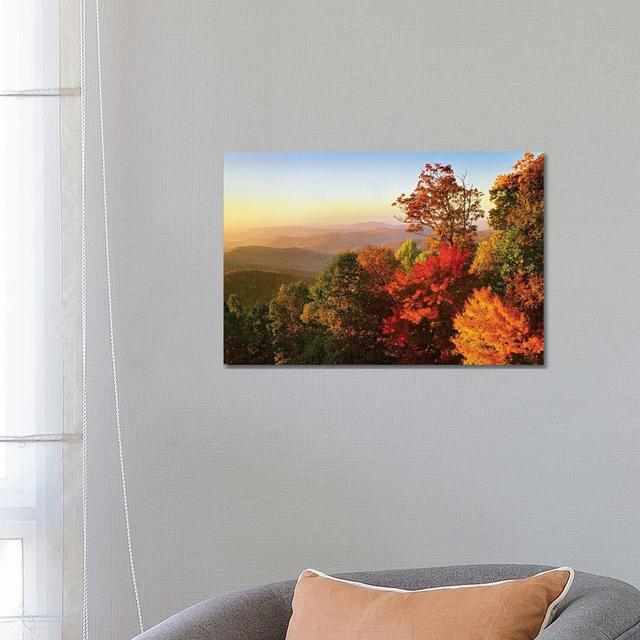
552	607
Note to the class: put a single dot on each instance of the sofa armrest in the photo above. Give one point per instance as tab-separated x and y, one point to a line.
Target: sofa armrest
597	608
258	614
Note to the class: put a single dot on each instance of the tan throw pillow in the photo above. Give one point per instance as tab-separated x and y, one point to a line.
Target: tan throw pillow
326	608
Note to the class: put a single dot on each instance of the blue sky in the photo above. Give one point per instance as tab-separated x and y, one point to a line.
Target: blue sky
269	188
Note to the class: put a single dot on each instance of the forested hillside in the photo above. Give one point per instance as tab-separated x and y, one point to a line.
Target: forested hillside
290	260
256	288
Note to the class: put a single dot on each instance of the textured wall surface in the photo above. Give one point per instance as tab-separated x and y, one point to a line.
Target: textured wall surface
240	476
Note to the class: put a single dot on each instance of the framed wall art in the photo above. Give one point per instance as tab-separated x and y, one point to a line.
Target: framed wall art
384	258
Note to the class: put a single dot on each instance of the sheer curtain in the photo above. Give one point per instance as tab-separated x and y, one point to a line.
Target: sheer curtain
40	341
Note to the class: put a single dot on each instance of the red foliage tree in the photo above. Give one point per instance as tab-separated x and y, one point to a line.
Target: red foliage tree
425	301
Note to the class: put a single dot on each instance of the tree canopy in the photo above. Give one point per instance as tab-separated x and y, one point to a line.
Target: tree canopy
425	301
489	331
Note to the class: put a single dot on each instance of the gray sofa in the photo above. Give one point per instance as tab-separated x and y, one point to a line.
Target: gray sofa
596	608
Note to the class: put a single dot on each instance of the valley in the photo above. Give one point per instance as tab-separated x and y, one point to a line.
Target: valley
257	261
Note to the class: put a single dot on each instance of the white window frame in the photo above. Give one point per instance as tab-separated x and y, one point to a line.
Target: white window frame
39	63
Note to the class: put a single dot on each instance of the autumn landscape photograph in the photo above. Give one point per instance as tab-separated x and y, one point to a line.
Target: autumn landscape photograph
376	258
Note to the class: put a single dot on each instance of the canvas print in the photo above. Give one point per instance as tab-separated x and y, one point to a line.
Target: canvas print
384	258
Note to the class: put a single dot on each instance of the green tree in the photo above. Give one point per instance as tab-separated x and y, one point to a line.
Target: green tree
295	341
343	301
234	333
247	337
498	259
408	253
233	303
518	208
516	268
259	344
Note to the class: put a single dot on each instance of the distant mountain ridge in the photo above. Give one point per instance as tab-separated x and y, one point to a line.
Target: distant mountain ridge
329	239
303	230
339	241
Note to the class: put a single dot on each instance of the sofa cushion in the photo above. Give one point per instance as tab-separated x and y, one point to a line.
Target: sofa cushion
327	607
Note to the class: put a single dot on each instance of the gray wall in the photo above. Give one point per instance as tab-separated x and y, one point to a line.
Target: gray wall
240	476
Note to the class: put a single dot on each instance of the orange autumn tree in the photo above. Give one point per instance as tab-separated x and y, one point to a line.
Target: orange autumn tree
490	332
518	197
381	263
443	202
425	301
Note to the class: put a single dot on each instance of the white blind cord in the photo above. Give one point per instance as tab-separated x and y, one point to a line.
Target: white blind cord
83	304
114	369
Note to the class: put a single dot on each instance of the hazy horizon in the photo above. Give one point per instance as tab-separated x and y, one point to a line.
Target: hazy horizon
323	189
320	226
